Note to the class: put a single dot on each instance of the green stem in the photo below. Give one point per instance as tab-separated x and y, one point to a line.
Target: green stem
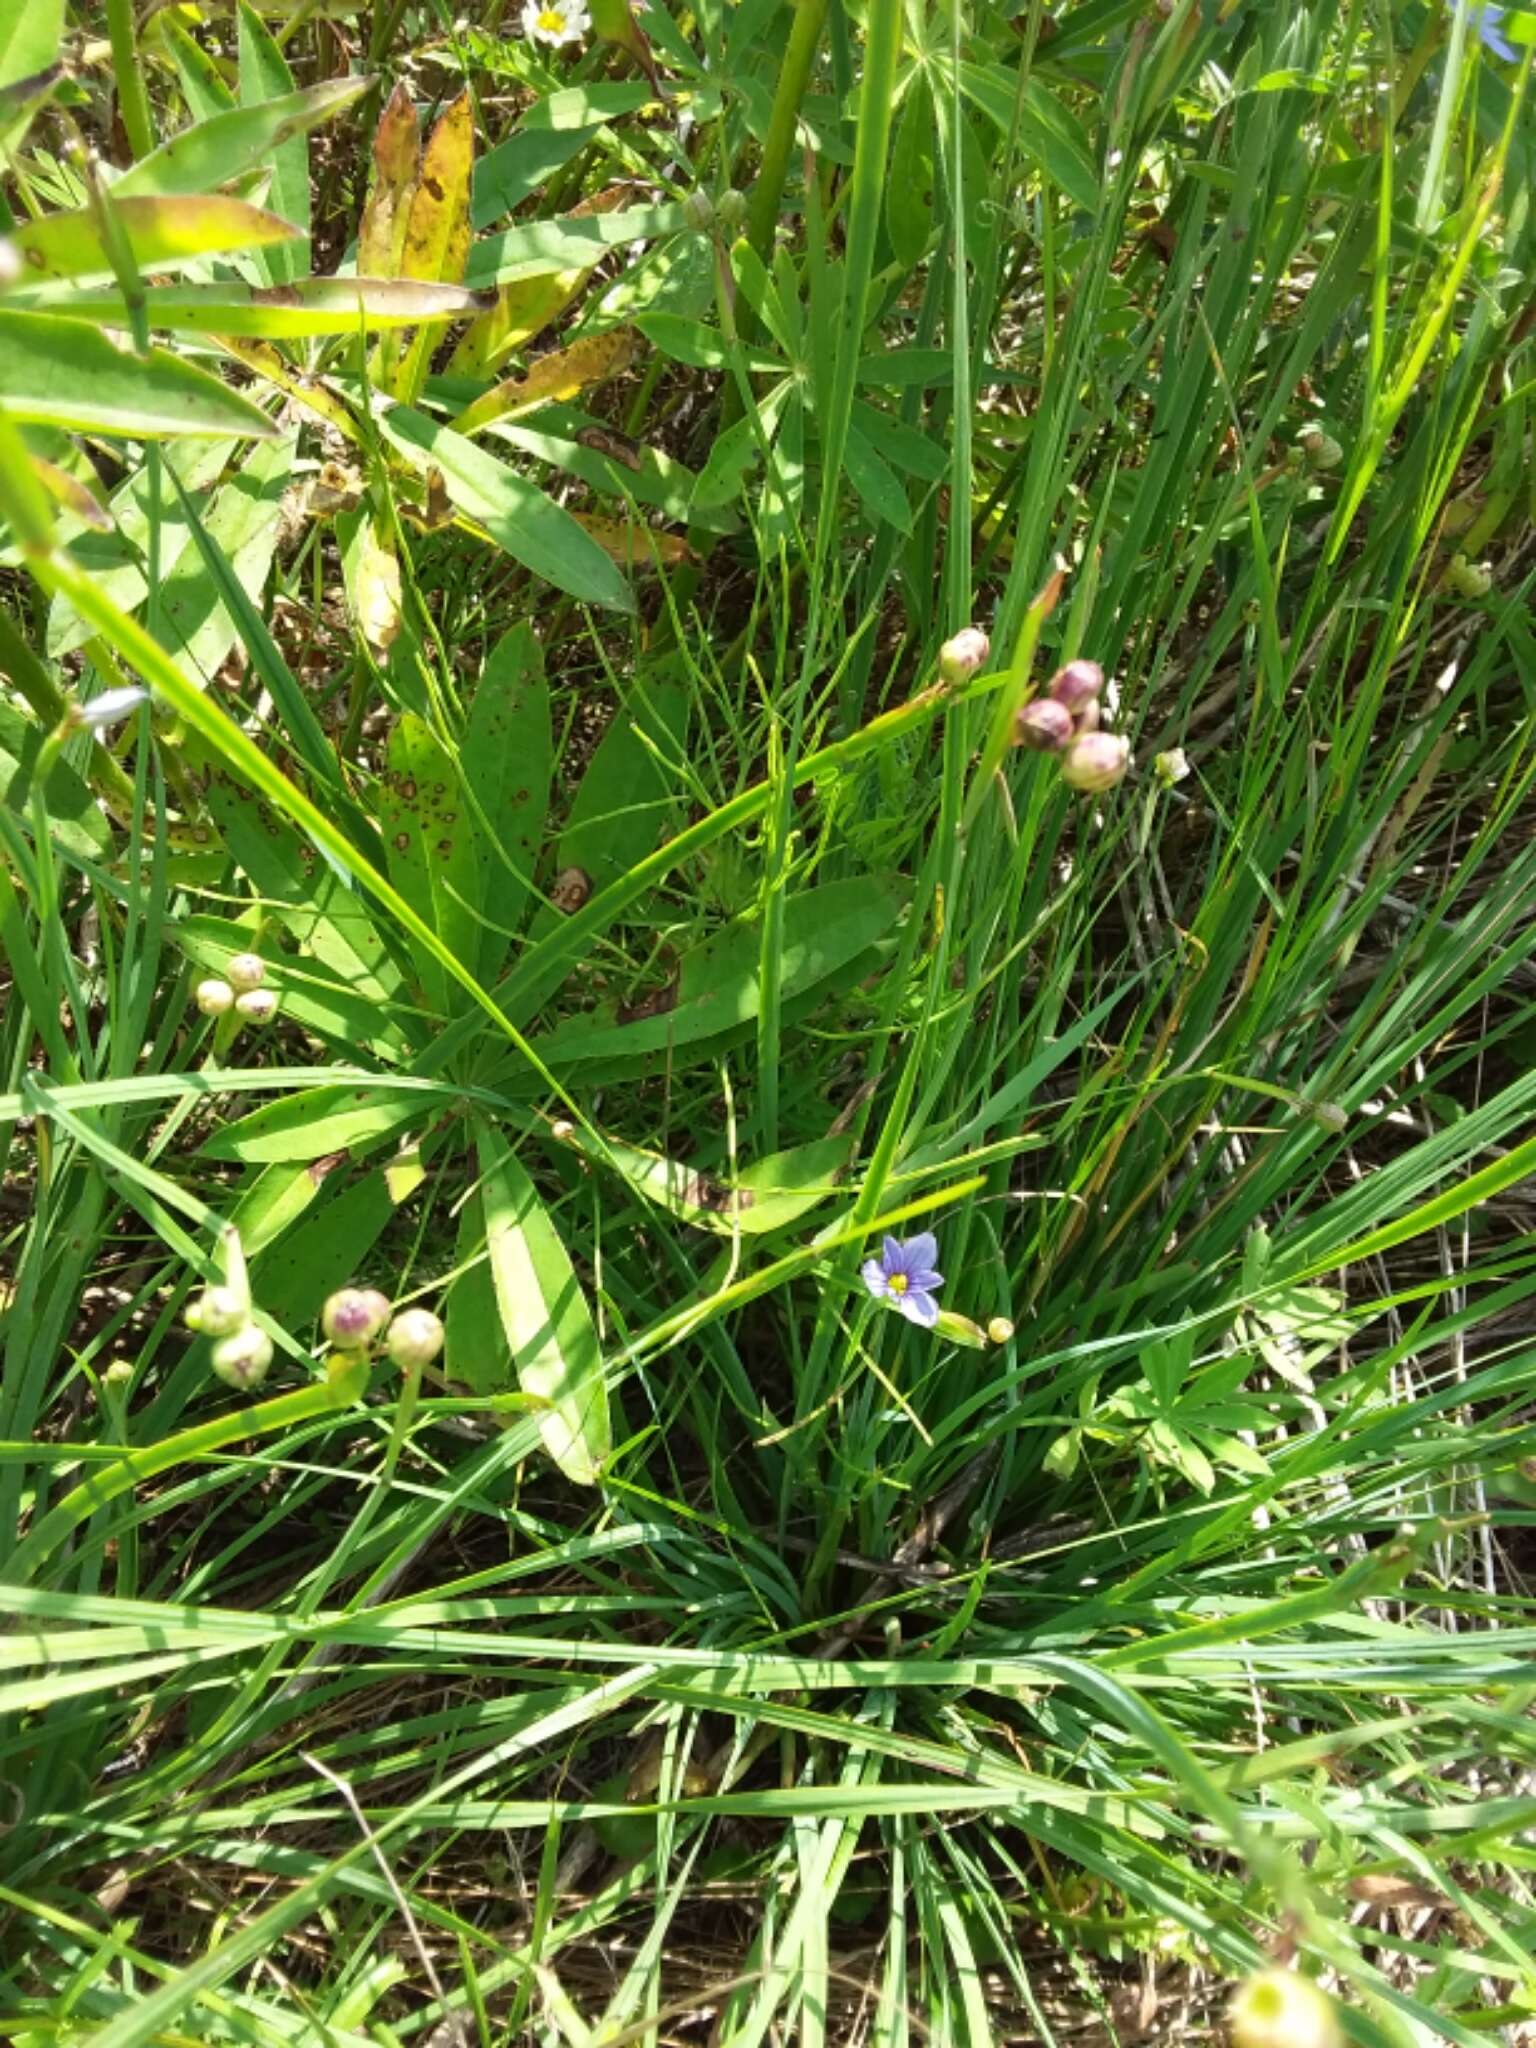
768	187
283	1411
132	100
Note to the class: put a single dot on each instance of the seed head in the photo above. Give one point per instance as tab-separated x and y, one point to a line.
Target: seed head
415	1338
354	1316
246	971
213	997
242	1358
1077	685
1282	2009
1096	761
1043	724
217	1312
257	1005
960	658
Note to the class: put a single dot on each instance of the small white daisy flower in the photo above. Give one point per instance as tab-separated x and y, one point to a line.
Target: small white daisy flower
556	21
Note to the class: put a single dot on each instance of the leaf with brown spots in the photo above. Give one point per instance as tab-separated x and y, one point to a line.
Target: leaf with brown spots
528	304
633	546
436	246
433	857
396	163
563	373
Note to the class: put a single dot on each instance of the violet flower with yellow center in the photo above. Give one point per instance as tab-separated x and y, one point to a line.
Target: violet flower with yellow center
904	1275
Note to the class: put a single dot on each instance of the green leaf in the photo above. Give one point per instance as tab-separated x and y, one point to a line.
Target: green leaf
433	858
765	1196
310	993
1052	135
318	1121
280	312
544	1315
62	373
717	987
516	168
876	483
909	196
545	245
30	33
162	234
515	513
265	78
242	523
508	757
74	815
226	145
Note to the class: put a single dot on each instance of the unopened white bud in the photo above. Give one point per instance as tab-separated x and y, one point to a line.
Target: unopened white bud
213	997
415	1338
257	1005
241	1359
217	1311
245	971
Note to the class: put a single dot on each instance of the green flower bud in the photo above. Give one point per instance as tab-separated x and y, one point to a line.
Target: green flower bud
245	971
213	997
257	1005
217	1312
1096	761
1469	579
415	1338
241	1359
1044	725
1077	685
731	212
354	1316
1282	2009
960	1329
960	658
699	211
1320	449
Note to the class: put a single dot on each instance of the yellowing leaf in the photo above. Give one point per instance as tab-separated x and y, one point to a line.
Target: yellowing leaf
161	232
635	547
527	305
561	374
396	162
375	588
437	230
71	494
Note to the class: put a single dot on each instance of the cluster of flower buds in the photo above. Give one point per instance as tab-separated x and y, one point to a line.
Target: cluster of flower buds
1065	722
354	1316
240	989
242	1351
1471	580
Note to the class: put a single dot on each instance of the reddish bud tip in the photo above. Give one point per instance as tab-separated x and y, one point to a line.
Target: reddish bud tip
354	1316
960	658
241	1359
1077	685
1096	761
1043	724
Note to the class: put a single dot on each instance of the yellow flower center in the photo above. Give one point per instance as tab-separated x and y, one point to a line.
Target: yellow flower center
898	1283
552	21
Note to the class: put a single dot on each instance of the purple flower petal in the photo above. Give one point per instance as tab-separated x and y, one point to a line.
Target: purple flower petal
1486	20
918	1308
875	1278
926	1280
893	1258
921	1251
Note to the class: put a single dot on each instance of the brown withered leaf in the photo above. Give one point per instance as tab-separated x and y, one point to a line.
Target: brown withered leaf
396	163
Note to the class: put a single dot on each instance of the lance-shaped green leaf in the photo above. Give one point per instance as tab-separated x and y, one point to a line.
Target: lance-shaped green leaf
264	77
64	373
222	147
162	234
281	312
532	528
433	856
544	1314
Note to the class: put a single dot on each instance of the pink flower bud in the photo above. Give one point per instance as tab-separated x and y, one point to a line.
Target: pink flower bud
960	658
1077	685
217	1312
246	970
241	1359
354	1316
1096	761
213	997
1043	724
415	1338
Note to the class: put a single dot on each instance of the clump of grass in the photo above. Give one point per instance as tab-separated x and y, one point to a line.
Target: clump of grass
585	668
